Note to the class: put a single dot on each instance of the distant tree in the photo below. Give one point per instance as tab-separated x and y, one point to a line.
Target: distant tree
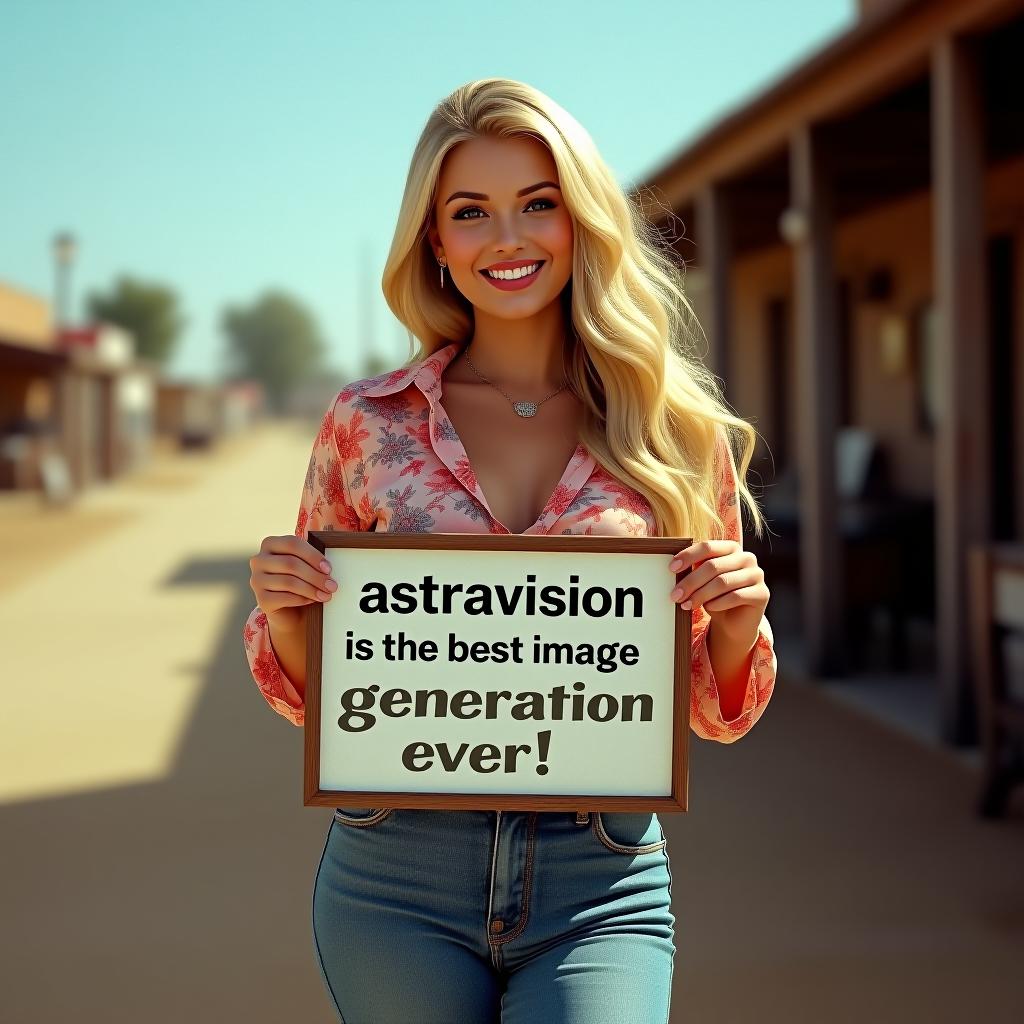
277	341
150	311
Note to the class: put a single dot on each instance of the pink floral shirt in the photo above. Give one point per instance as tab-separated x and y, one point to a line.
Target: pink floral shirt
387	458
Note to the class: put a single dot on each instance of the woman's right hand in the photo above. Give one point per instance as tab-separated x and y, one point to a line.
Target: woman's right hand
286	576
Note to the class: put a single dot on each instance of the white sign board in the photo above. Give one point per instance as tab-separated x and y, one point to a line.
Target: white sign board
498	671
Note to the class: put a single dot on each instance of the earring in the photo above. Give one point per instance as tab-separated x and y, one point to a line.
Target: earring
442	265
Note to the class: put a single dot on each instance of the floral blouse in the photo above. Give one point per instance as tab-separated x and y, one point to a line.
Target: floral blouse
387	458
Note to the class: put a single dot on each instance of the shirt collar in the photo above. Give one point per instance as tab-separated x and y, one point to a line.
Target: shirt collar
424	373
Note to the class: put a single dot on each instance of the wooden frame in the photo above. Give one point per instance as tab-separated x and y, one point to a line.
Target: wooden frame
322	540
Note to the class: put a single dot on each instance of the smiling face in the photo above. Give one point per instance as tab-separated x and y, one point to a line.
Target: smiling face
490	213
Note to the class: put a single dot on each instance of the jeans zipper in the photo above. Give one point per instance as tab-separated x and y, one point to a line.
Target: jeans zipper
494	861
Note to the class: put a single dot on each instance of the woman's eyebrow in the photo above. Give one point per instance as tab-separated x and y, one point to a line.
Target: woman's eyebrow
522	192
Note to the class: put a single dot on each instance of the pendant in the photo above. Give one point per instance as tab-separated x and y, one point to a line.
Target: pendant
525	408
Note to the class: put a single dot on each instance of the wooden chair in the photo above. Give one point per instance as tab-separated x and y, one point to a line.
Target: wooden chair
996	580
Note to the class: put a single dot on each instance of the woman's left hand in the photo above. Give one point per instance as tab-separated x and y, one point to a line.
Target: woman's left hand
727	581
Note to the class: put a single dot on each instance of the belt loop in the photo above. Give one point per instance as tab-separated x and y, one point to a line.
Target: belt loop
583	817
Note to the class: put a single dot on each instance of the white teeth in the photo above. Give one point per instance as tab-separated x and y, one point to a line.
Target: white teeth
512	275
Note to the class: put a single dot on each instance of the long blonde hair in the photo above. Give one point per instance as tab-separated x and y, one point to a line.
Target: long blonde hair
654	416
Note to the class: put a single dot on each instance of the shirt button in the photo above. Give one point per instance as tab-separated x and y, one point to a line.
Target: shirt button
497	926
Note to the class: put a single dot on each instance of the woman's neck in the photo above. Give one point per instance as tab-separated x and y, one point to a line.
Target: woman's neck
525	355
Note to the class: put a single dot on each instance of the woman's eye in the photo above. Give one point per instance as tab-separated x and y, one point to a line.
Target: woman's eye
470	209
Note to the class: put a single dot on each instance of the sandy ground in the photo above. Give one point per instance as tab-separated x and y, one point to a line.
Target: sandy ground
159	861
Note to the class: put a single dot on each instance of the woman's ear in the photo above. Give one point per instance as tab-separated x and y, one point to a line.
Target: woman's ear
434	238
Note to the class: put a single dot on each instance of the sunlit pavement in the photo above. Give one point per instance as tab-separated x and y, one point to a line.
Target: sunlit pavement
158	861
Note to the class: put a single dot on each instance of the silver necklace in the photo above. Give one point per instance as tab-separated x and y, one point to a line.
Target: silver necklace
524	409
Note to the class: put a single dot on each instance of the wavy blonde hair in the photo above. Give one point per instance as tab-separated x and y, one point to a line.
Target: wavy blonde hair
654	416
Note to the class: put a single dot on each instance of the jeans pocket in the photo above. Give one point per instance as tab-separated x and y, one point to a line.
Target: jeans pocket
361	817
629	832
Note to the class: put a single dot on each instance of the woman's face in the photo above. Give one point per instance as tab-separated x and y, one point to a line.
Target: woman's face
489	212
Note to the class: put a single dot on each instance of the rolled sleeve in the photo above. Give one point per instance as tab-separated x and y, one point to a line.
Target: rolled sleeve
706	717
325	504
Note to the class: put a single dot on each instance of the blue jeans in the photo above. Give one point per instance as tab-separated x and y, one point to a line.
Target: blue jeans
471	917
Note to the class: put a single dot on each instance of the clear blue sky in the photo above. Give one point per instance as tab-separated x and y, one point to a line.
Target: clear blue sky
226	146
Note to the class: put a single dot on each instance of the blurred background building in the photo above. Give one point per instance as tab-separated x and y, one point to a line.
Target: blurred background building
854	239
78	406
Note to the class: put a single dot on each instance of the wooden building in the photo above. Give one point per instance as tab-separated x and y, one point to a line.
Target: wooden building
854	240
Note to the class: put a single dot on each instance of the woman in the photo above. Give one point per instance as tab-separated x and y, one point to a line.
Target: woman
554	392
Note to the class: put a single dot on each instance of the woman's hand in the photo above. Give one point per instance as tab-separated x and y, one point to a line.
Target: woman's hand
727	581
287	574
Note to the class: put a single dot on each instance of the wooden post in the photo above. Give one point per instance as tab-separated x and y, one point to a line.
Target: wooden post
714	245
962	476
818	384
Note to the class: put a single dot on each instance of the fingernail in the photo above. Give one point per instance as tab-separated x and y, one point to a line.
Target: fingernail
675	565
687	605
326	566
322	595
331	585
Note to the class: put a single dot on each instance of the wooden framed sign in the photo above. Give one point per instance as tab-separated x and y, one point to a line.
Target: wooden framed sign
498	671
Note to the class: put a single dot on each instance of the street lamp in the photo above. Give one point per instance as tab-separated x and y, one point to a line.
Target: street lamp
64	248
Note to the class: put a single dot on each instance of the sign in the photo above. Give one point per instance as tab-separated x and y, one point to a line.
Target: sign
530	672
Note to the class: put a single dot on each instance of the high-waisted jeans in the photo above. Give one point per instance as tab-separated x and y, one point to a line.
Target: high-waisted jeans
473	917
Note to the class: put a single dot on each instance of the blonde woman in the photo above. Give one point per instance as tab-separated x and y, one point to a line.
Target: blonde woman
553	393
